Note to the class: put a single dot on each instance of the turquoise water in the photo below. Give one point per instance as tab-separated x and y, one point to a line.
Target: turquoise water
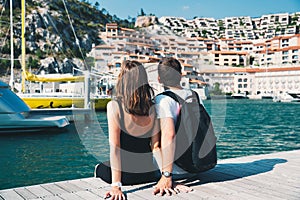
243	127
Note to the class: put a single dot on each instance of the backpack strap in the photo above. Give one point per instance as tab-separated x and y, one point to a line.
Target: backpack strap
173	96
178	98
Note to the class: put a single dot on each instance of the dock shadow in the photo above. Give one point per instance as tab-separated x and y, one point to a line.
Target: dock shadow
231	171
223	172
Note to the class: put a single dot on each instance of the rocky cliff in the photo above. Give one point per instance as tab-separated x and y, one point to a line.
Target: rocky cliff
54	29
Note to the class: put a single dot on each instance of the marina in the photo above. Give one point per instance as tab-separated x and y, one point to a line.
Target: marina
53	123
270	176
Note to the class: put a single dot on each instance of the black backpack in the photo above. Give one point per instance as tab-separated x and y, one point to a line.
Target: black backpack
195	137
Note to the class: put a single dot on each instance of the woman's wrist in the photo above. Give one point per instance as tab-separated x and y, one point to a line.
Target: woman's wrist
116	184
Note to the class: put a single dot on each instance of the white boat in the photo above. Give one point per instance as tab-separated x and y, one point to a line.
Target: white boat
287	97
241	95
15	115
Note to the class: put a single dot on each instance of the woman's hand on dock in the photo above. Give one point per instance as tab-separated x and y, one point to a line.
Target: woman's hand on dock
115	194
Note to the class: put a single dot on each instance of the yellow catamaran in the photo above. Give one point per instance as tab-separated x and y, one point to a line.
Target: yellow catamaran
55	99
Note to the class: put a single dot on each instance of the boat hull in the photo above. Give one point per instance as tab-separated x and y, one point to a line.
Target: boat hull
63	102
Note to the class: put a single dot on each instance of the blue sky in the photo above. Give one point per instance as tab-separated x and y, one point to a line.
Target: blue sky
201	8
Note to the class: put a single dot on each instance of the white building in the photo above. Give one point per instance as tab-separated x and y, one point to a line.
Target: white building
255	82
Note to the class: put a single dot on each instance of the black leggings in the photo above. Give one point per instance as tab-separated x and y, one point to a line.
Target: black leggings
103	171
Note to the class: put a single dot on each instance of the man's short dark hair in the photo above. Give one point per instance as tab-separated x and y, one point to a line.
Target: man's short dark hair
169	71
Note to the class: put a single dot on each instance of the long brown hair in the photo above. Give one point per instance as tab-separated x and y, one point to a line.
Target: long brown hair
133	88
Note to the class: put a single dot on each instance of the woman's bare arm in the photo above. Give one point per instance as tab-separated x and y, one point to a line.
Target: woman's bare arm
115	145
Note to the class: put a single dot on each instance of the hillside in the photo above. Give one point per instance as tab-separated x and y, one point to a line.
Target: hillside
49	33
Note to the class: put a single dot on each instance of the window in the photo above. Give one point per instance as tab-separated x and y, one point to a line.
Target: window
240	86
239	80
284	58
285	40
285	52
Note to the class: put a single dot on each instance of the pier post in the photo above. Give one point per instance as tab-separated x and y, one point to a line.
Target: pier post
87	84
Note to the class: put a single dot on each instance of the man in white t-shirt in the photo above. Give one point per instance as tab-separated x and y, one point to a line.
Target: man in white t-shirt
169	74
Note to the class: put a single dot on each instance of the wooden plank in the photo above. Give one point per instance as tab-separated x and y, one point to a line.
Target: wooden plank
82	184
38	191
68	186
99	192
87	195
10	194
95	182
70	196
141	191
279	186
25	193
53	189
50	198
259	190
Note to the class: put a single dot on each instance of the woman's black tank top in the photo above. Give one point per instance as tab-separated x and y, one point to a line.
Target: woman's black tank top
136	154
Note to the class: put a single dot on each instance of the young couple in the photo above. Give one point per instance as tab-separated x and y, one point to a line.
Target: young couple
141	129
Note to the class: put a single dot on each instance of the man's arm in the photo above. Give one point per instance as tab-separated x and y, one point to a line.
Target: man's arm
164	185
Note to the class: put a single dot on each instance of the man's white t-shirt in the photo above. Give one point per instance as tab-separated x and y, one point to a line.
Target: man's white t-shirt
166	107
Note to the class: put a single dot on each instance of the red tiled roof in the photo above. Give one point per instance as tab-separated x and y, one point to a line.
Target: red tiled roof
230	52
253	70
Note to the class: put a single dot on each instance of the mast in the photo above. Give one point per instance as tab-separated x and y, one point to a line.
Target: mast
11	81
23	51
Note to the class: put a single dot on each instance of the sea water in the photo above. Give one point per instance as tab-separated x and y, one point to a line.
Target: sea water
243	127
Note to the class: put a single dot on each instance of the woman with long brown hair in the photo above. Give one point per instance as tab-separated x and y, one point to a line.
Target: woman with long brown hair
132	124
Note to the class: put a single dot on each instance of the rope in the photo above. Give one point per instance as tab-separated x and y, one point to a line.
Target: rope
76	39
53	25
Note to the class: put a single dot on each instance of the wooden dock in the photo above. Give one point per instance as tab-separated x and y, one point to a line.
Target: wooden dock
270	176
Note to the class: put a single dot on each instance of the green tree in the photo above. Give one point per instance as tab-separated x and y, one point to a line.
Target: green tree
97	5
216	89
142	12
39	54
33	63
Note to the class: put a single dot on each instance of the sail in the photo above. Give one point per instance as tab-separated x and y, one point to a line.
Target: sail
49	78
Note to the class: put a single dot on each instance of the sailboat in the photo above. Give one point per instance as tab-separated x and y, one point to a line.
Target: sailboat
16	116
57	99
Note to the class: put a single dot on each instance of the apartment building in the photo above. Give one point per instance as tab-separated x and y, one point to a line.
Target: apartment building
230	58
255	82
239	28
278	51
121	42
